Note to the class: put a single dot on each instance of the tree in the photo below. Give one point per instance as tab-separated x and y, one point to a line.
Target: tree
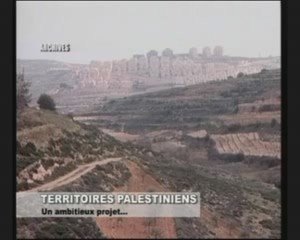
70	115
46	102
263	70
273	122
240	75
23	96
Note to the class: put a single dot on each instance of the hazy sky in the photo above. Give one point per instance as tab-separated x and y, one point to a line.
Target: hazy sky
115	30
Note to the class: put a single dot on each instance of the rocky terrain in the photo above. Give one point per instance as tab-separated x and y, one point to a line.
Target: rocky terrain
166	141
56	153
50	145
240	184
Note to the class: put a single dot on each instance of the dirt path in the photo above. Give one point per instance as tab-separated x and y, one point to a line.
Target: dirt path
127	228
140	181
70	177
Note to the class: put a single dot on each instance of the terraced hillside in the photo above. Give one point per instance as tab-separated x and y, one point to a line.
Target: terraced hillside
248	144
210	104
164	141
55	153
219	138
50	145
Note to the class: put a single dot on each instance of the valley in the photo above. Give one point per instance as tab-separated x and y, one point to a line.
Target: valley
219	138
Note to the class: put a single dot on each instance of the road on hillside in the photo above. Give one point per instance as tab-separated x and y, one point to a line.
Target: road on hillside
71	176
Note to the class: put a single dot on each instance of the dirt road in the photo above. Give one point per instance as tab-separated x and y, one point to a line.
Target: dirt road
139	228
70	177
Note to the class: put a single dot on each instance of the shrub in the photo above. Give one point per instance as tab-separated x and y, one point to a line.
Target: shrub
267	223
31	147
62	170
46	102
225	94
266	108
18	146
66	150
90	159
48	163
54	231
273	122
23	162
70	115
239	157
263	70
56	153
52	143
27	150
257	125
240	74
244	234
232	157
23	186
234	127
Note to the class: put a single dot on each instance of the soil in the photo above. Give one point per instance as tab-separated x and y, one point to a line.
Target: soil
140	181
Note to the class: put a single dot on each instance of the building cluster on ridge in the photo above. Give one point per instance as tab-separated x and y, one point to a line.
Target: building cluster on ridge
167	68
193	53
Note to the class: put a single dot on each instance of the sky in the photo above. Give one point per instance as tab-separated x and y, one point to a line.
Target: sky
111	30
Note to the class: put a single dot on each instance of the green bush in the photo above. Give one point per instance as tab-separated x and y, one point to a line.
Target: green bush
263	70
70	115
56	153
53	231
18	146
273	122
46	102
62	170
52	142
234	127
23	186
48	163
232	157
240	74
266	223
66	150
24	161
27	150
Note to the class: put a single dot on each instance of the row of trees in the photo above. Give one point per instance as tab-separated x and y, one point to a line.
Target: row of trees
24	97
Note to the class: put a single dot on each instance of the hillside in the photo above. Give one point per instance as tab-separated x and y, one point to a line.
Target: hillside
79	87
190	107
50	145
55	153
221	138
134	144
